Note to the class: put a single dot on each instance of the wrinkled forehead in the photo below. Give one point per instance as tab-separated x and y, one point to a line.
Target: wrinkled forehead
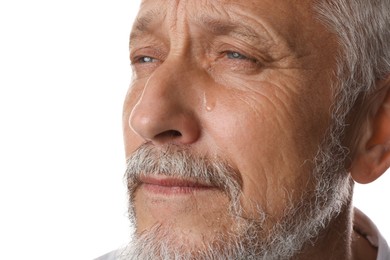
292	23
287	10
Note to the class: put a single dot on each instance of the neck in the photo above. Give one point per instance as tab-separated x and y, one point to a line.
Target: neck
339	241
334	242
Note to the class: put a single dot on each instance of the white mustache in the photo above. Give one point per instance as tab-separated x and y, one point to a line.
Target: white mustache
179	162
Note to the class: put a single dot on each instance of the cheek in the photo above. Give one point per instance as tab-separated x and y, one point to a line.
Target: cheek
269	138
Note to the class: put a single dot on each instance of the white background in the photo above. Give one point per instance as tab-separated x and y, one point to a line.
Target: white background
64	71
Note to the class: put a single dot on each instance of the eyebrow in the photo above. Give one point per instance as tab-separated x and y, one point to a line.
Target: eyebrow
142	23
237	28
216	26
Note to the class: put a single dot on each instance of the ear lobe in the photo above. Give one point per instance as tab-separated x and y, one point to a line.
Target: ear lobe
372	157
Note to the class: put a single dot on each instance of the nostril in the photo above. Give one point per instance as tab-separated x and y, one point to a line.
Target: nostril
169	134
174	133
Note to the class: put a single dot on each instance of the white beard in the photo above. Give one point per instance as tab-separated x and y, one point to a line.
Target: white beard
302	221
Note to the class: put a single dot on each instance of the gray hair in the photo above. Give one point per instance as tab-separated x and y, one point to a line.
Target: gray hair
363	31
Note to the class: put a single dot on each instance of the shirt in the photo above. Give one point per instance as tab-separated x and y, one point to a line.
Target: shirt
367	228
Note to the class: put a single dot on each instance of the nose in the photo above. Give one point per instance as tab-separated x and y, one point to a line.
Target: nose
165	111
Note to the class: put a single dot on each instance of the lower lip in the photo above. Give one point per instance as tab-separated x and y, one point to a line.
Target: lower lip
173	190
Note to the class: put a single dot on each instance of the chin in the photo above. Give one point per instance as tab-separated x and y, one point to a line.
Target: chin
187	218
165	241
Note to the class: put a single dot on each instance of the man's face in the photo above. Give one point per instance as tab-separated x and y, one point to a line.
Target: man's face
247	83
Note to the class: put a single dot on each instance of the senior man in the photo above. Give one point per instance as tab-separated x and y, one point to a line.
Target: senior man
247	123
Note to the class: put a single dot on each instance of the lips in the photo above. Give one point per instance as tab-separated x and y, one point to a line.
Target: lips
172	186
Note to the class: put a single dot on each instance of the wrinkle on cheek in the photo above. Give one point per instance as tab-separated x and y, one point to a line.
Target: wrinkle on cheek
255	191
307	87
269	104
275	120
270	197
305	102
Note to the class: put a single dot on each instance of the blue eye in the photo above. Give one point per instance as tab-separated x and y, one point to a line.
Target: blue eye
235	55
146	59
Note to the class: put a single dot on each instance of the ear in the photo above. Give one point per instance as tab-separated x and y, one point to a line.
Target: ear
372	157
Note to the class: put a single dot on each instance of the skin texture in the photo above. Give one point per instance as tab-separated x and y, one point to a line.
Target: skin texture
246	81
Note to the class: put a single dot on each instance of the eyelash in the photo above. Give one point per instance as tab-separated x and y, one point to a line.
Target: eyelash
236	59
235	55
144	59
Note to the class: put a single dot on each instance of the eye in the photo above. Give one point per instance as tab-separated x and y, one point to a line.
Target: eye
143	65
140	59
237	61
235	55
146	59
